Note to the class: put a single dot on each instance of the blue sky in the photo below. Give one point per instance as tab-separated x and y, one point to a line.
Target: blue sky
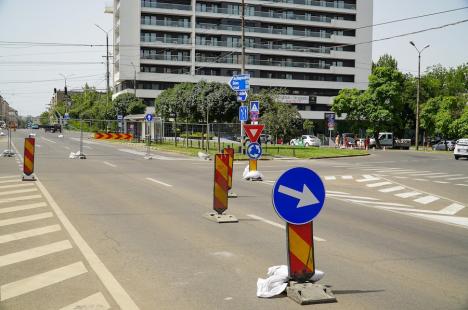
72	21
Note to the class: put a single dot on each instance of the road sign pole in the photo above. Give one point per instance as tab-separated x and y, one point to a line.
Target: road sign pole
81	155
148	141
28	159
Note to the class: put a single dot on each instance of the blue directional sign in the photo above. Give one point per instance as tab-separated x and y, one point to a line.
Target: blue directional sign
298	195
119	117
240	82
254	150
243	113
242	96
254	106
149	117
66	116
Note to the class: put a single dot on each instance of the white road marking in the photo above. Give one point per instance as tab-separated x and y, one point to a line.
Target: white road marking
378	184
378	203
461	178
444	176
6	200
95	301
24	219
426	199
351	197
20	191
453	209
347	177
48	140
109	164
459	184
391	189
422	180
39	281
441	182
454	220
9	177
404	171
335	192
278	225
23	207
408	194
427	174
400	177
159	182
16	185
87	147
368	178
28	254
330	177
29	233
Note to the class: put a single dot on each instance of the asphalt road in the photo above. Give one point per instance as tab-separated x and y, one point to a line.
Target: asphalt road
118	231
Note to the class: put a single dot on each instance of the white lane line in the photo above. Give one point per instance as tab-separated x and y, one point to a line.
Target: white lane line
132	152
48	140
405	171
408	194
378	184
427	174
109	164
445	176
87	147
256	217
330	177
368	178
9	177
29	233
422	180
453	209
95	301
21	256
441	182
6	200
453	220
41	280
24	219
20	191
351	197
16	185
400	177
159	182
391	189
426	199
113	286
23	207
335	192
347	177
459	184
378	203
461	178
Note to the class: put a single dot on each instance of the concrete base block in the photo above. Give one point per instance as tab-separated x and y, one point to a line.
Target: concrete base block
309	293
220	218
29	177
232	195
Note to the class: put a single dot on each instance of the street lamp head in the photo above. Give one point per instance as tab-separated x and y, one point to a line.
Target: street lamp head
427	46
412	43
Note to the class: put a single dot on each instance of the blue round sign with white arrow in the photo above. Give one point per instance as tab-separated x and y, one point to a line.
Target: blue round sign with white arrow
254	150
298	195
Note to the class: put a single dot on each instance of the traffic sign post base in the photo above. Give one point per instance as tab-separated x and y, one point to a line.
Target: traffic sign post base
29	177
79	155
148	157
231	194
309	293
221	218
8	153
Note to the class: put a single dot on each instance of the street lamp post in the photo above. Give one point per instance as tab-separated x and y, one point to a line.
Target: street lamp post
107	67
418	91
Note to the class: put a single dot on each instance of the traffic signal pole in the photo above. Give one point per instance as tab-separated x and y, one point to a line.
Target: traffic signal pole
243	65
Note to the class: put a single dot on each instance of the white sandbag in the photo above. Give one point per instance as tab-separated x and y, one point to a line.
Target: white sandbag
275	284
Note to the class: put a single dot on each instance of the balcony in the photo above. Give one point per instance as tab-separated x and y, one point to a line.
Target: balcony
166	23
168	6
336	5
177	58
154	39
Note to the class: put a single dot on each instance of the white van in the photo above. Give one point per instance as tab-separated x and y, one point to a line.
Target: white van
461	149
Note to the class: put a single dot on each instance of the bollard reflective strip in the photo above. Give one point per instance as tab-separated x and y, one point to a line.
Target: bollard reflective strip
230	152
252	165
300	251
220	191
28	163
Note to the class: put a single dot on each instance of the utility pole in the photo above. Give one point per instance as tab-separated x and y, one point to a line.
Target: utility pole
243	64
418	92
107	66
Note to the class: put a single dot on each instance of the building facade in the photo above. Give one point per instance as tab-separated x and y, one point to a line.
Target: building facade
308	47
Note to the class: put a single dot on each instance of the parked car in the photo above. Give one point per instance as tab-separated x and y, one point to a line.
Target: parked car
34	126
388	140
444	145
306	140
461	149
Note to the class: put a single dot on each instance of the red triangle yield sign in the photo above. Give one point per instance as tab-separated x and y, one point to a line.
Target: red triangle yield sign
253	131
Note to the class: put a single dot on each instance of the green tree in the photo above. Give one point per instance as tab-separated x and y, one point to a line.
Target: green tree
281	119
308	126
126	104
386	60
44	118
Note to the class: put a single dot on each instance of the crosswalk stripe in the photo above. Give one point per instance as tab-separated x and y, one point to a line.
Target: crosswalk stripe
378	203
408	194
13	199
460	178
459	184
347	177
444	176
24	219
453	209
368	178
29	233
351	197
16	185
21	256
378	184
16	180
441	182
426	199
391	189
95	301
426	174
20	191
23	207
41	280
9	177
330	177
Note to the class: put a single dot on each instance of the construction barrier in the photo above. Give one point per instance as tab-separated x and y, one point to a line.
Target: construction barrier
112	136
230	152
300	252
28	162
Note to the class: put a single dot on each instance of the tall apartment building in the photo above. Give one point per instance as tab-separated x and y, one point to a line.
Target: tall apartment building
306	46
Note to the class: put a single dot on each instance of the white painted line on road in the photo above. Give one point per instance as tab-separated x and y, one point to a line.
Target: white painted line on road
23	207
453	209
426	199
391	189
453	220
21	256
347	177
460	178
109	164
6	200
426	174
441	182
159	182
48	140
9	177
422	180
16	185
350	196
459	184
368	178
400	177
405	171
378	184
444	176
378	203
87	147
256	217
24	219
20	191
330	177
408	194
132	152
335	192
39	281
95	301
29	233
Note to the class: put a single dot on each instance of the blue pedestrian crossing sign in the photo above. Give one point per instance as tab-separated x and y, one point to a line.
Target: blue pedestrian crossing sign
254	106
254	150
66	116
298	195
149	117
243	113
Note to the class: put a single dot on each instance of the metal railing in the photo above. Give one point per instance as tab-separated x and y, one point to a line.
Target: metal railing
166	57
164	40
166	23
170	6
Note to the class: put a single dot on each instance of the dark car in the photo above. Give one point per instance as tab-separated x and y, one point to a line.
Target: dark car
34	126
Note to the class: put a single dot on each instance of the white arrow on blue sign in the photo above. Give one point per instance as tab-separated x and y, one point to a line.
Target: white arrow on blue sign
254	150
298	195
243	114
242	96
149	117
119	117
66	116
254	106
240	82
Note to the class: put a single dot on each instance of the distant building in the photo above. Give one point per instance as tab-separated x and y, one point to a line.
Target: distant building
308	47
7	113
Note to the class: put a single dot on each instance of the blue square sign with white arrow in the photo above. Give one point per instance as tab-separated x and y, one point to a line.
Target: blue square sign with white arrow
298	195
